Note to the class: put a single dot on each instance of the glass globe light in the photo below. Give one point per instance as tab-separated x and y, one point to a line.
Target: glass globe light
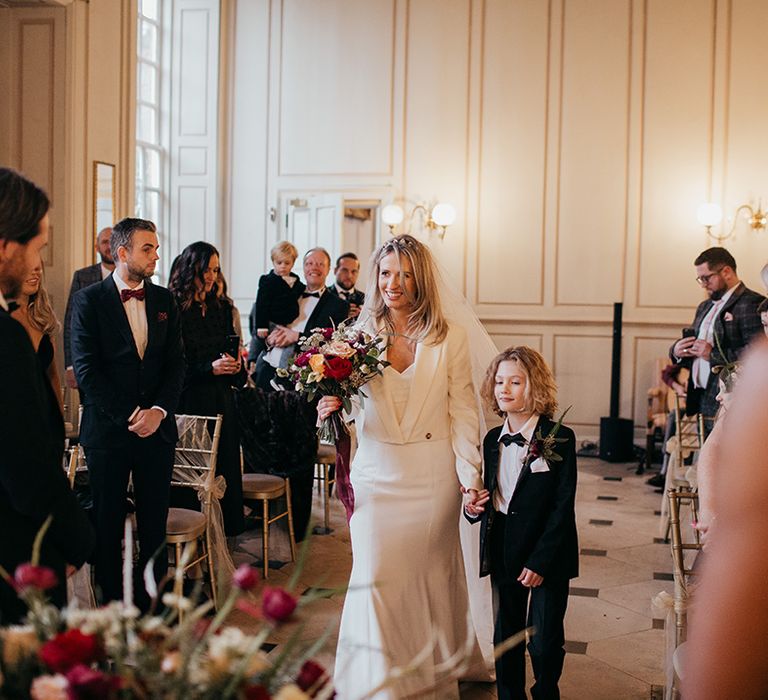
709	214
392	214
444	214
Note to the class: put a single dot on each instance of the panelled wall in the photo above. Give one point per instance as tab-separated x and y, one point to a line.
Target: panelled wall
576	139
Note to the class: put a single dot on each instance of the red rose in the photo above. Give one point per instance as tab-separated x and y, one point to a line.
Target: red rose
29	576
338	368
256	692
277	605
68	649
302	360
312	677
89	684
245	577
327	333
535	450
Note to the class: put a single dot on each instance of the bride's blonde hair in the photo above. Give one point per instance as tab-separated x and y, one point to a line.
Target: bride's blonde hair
426	319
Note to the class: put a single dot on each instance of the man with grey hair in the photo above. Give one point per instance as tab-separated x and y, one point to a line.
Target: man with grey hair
129	360
85	277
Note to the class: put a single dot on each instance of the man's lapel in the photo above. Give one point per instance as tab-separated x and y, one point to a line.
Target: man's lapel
116	310
316	313
150	307
541	425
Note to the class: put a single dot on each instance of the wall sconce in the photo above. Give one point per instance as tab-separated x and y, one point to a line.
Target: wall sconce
710	214
438	218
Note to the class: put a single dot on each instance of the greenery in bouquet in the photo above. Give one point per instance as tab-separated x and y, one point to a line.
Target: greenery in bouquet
183	652
335	362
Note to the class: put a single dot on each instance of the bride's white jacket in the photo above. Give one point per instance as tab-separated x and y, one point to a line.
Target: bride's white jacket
441	406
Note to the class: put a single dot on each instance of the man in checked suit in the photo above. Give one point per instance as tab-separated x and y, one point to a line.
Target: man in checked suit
32	482
129	360
723	326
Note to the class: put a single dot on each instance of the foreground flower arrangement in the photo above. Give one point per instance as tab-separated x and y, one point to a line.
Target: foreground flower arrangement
114	652
335	362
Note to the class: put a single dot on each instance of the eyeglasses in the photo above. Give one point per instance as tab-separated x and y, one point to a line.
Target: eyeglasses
704	279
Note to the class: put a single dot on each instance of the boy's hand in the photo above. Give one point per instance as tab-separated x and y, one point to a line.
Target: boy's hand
530	579
474	501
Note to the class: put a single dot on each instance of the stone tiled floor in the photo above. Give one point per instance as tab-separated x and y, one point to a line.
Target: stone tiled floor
615	647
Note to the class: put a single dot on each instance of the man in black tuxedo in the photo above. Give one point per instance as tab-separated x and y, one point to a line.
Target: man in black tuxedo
347	271
723	326
32	482
129	360
82	278
318	308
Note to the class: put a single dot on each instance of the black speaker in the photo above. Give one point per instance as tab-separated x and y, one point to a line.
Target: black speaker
617	440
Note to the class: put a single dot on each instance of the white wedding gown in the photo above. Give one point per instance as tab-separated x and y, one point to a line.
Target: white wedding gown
407	599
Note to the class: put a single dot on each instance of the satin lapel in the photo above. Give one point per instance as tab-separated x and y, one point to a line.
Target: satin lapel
117	311
150	308
426	364
543	425
378	391
316	312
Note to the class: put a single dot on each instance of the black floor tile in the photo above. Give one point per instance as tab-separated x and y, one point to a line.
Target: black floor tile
603	523
593	552
575	647
662	576
658	624
583	592
607	498
659	540
613	478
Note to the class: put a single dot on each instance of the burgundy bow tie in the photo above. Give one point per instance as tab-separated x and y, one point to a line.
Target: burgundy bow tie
126	294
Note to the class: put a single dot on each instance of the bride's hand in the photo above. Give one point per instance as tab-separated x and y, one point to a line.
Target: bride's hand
327	405
474	501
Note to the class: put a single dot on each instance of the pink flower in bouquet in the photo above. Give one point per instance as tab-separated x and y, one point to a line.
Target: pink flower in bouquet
317	363
312	677
245	578
339	348
277	605
89	684
302	359
69	649
338	368
30	576
49	688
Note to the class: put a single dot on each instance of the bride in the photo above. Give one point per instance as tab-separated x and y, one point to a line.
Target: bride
418	431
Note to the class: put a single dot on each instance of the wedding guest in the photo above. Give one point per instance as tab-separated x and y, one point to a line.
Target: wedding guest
36	314
347	271
277	298
528	540
33	485
129	361
726	652
212	348
723	326
82	278
418	440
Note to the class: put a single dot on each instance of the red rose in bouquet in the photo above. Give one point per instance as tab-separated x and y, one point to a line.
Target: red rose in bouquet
31	576
69	649
89	684
312	677
338	368
277	605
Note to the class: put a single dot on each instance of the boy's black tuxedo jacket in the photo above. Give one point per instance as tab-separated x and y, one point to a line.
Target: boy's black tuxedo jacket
541	523
113	379
33	484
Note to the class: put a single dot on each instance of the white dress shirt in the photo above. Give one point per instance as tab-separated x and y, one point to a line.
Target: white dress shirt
136	311
105	271
702	368
511	458
3	302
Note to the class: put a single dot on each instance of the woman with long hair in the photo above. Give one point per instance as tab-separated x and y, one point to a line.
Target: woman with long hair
36	314
419	431
211	346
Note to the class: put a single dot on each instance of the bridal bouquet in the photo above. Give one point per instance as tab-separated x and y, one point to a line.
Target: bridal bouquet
335	362
114	652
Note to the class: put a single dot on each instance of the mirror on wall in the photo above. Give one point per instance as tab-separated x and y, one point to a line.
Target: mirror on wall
103	197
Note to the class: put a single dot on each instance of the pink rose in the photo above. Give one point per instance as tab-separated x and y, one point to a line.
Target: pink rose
302	360
245	578
29	576
277	605
69	649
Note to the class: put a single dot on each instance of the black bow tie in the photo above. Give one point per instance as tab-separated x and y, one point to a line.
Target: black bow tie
508	439
12	306
345	295
304	295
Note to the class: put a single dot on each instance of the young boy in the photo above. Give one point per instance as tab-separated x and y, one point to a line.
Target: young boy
277	298
528	540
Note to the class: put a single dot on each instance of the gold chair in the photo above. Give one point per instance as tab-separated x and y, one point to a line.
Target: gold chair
195	467
72	463
266	488
326	458
683	572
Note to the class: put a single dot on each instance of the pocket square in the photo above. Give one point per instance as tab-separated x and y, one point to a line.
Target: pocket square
162	316
727	316
539	466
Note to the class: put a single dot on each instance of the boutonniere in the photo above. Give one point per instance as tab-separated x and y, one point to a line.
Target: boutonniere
162	316
543	446
727	316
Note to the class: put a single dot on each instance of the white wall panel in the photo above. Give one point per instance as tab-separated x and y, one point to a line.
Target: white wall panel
191	213
336	79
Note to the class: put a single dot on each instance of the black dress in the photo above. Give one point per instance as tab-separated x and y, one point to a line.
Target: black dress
207	394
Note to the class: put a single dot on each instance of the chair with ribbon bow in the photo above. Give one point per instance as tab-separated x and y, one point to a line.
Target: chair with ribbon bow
195	467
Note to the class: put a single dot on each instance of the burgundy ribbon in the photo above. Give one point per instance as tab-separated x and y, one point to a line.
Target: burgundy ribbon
343	486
